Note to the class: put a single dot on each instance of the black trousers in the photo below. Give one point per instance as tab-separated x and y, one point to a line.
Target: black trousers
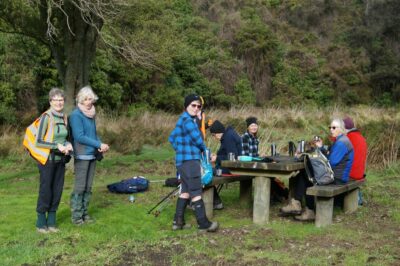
51	186
301	183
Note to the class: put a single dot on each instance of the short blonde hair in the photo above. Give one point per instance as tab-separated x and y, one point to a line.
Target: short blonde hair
84	93
56	92
339	122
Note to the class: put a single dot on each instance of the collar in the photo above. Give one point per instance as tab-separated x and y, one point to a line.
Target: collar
55	113
251	135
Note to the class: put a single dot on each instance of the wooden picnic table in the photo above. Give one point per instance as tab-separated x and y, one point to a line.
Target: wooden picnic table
284	167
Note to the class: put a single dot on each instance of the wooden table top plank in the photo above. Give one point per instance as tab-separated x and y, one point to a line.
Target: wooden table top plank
262	166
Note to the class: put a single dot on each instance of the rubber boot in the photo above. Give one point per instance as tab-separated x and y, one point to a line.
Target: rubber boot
76	205
179	220
41	223
293	208
51	222
85	205
202	220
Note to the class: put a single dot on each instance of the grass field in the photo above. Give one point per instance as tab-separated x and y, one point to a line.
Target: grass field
124	234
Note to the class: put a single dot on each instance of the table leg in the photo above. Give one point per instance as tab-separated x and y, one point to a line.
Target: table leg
262	191
208	199
245	191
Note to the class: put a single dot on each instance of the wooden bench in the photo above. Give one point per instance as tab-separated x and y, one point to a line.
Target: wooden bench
324	196
244	195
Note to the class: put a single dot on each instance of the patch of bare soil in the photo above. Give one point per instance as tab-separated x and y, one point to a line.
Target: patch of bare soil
180	246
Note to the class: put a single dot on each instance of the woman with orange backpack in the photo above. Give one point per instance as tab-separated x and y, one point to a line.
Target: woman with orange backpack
51	137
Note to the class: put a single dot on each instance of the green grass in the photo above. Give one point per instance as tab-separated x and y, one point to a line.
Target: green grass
125	234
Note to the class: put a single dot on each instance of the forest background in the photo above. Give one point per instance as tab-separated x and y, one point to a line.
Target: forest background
232	52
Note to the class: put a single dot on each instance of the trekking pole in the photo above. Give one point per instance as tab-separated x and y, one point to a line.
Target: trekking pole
165	198
164	204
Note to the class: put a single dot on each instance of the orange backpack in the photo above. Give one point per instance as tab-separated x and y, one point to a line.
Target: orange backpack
39	154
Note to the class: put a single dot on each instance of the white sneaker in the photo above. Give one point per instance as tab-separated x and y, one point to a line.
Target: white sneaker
53	229
42	230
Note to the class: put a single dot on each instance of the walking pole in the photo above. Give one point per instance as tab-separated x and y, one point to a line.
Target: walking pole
164	204
166	197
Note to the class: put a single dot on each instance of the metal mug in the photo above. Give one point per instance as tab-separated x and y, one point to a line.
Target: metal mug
292	147
231	156
301	146
218	172
273	149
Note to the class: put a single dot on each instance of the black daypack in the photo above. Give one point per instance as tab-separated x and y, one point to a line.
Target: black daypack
318	168
131	185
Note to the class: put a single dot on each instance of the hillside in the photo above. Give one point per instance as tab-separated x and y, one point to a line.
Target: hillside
233	52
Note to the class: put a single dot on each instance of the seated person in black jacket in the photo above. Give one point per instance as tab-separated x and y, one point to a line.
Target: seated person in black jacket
231	142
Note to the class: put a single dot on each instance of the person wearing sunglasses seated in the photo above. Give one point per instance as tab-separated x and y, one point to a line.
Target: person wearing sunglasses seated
340	156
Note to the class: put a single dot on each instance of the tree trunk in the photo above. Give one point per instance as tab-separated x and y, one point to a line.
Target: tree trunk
74	51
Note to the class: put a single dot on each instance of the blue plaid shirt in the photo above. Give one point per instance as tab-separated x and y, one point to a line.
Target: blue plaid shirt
249	145
186	139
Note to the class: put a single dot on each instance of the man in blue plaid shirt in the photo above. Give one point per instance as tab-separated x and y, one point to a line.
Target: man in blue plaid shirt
187	141
249	139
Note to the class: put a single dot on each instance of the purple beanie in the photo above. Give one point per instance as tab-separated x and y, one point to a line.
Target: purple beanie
348	123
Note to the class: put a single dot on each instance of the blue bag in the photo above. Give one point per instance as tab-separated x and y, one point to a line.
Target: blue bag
131	185
206	168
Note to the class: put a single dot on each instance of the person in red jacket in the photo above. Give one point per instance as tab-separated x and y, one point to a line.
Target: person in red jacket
357	171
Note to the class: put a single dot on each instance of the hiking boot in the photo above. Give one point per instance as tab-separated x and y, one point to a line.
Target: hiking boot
307	215
218	206
212	228
51	219
41	221
42	230
202	220
293	208
52	229
88	219
78	222
176	227
85	205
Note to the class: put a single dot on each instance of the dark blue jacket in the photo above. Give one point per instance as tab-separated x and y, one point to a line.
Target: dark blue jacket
230	142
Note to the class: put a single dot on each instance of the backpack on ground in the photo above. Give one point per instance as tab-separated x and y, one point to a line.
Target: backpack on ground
172	182
131	185
318	168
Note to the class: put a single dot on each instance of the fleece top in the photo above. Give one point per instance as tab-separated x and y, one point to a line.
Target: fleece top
186	139
360	154
84	135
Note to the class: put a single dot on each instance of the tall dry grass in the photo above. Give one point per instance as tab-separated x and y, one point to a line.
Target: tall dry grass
277	125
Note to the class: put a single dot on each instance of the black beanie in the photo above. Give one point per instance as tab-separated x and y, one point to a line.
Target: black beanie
191	98
217	127
251	120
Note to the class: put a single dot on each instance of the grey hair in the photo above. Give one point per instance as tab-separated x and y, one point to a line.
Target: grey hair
56	92
339	122
84	93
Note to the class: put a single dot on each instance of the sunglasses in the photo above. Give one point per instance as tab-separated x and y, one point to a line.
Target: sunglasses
196	105
332	128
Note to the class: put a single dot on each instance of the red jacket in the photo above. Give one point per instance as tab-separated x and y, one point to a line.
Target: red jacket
360	154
